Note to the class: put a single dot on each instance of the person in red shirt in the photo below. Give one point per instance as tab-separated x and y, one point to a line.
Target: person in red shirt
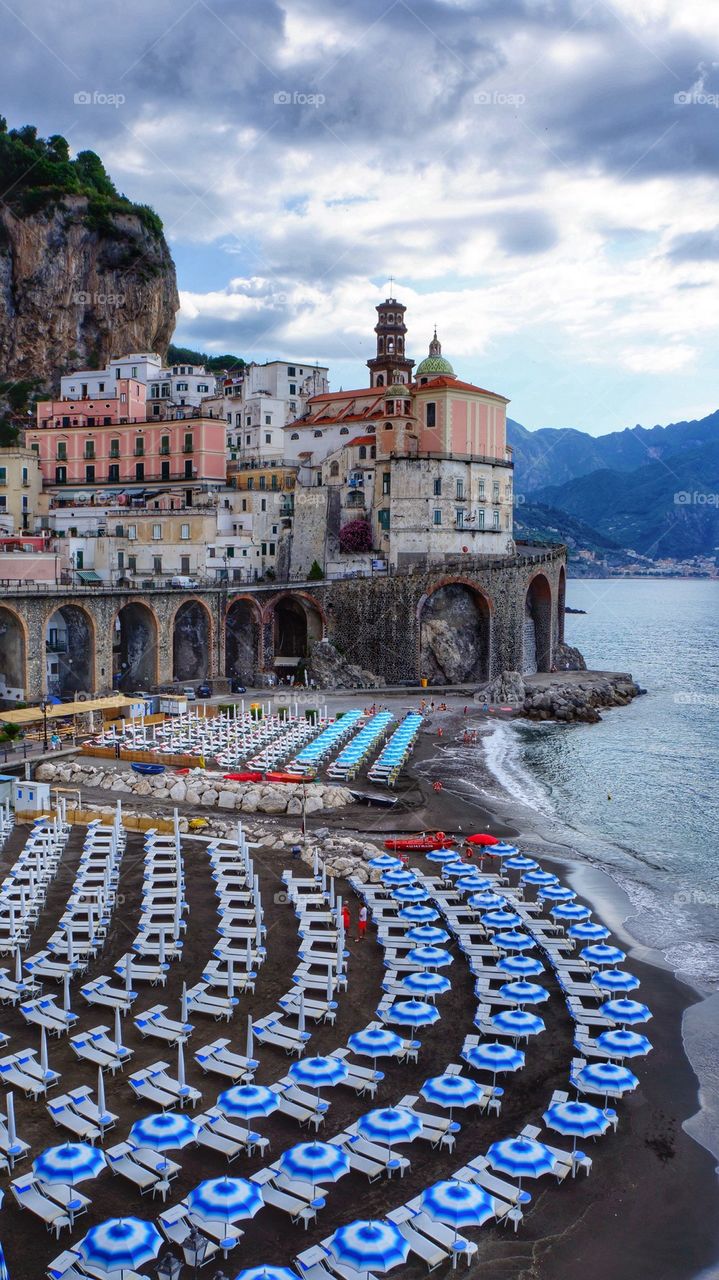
346	917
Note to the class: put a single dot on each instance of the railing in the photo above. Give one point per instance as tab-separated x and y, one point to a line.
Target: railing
453	457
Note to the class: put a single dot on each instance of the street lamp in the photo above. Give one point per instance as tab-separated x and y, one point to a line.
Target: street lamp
194	1248
43	707
168	1267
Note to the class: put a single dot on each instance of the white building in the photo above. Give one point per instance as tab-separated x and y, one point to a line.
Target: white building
169	387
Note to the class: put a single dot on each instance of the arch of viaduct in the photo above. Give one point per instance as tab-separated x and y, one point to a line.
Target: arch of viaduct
91	639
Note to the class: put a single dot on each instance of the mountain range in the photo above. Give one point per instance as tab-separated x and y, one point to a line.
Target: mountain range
654	491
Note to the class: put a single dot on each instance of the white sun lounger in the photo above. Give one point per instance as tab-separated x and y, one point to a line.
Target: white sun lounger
28	1197
121	1162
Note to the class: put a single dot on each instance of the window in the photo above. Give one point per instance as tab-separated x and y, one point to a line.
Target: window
155	391
188	469
113	473
291	371
118	374
164	471
272	548
460	489
183	386
157	564
495	519
480	518
184	564
334	469
101	386
202	386
247	439
230	553
184	532
188	445
79	559
264	548
132	532
437	516
344	431
431	414
139	447
3	475
248	420
317	435
132	564
481	488
495	491
460	518
61	452
386	481
139	471
274	482
268	437
166	389
157	532
268	419
250	482
383	518
437	488
90	449
293	389
165	445
296	435
133	373
263	482
363	451
89	475
114	448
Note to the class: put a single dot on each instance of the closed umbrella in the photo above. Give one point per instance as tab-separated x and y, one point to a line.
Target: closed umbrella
249	1048
230	979
101	1107
128	973
521	1158
18	967
14	1148
44	1064
301	1014
369	1246
66	992
118	1028
120	1244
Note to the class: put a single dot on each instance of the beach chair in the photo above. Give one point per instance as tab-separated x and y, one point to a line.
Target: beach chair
304	1115
361	1079
81	1099
297	1208
122	1162
154	1023
65	1117
437	1232
567	1161
436	1130
146	1091
27	1196
12	1075
176	1225
220	1060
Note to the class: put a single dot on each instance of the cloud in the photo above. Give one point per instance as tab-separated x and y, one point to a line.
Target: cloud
695	246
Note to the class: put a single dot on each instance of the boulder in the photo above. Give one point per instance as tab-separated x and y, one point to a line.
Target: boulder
567	658
226	800
208	797
142	788
507	687
330	669
178	792
251	801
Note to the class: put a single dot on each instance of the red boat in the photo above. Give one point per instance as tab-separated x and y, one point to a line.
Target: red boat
252	775
286	777
420	844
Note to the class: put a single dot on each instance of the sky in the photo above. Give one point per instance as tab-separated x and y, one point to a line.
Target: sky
538	178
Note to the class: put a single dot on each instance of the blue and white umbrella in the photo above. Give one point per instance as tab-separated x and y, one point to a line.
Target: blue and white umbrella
600	954
441	855
576	1120
398	877
429	957
521	966
517	1022
70	1163
120	1244
494	1056
588	931
163	1132
410	893
390	1124
502	849
225	1199
248	1101
487	900
524	992
427	933
315	1162
418	914
513	940
369	1246
319	1072
604	1078
501	919
472	883
412	1013
268	1272
459	1204
4	1275
452	1091
521	1158
385	862
575	912
539	877
457	867
556	893
624	1044
615	980
626	1012
375	1042
520	862
425	983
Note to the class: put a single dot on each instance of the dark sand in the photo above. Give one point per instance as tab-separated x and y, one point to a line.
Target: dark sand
648	1211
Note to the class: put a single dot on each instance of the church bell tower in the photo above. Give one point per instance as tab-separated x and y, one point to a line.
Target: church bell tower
390	363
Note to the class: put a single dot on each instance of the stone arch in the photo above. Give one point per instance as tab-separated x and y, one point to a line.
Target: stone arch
191	641
243	639
297	621
561	603
13	656
455	633
69	637
537	634
135	635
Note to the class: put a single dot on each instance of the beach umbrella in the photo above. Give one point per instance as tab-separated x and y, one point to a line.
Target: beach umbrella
624	1044
604	1078
14	1148
44	1064
457	868
520	966
66	992
368	1246
419	914
70	1163
520	862
319	1072
390	1124
494	1056
398	877
524	992
539	877
267	1272
412	1013
601	954
183	1003
626	1012
101	1107
502	849
472	882
556	893
501	919
430	957
384	862
375	1042
247	1101
459	1204
314	1162
250	1045
576	1120
225	1199
521	1158
181	1068
513	940
482	838
164	1131
428	933
425	983
588	931
410	893
575	912
615	980
452	1091
487	900
120	1244
517	1022
441	855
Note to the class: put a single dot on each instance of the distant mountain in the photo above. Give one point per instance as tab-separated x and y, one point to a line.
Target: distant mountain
667	508
553	455
537	521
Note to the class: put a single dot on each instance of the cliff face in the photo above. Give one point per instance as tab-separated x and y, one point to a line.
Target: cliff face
77	290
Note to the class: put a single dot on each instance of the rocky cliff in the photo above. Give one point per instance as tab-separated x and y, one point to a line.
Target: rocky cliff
76	290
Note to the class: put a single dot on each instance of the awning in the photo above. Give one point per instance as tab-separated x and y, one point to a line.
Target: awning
88	576
31	715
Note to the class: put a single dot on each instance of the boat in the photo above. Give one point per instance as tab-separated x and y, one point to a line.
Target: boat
420	844
141	767
273	776
250	775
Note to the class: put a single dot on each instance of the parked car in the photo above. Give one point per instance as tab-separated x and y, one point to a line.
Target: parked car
179	581
204	690
188	693
237	687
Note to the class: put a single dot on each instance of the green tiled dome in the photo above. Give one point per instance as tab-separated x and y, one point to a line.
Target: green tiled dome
435	363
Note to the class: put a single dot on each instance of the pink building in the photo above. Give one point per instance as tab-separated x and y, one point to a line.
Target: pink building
135	453
127	404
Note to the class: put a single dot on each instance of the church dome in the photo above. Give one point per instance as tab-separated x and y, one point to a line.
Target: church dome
435	364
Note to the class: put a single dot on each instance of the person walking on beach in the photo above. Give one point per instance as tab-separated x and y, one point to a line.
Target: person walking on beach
361	923
346	920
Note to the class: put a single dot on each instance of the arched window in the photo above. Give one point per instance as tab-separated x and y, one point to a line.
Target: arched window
380	344
344	431
371	431
334	468
388	426
373	451
317	435
390	317
399	346
363	451
390	346
380	380
295	435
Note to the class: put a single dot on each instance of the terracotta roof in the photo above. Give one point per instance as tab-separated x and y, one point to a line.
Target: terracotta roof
345	395
363	440
458	385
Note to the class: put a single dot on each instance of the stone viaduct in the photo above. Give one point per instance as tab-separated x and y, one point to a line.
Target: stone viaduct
463	620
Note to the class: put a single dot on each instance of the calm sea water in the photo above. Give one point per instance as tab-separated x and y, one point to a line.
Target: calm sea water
638	793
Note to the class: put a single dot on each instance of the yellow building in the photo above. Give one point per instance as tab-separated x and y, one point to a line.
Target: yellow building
22	502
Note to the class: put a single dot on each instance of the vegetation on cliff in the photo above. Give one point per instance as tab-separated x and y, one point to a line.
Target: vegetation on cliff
213	364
